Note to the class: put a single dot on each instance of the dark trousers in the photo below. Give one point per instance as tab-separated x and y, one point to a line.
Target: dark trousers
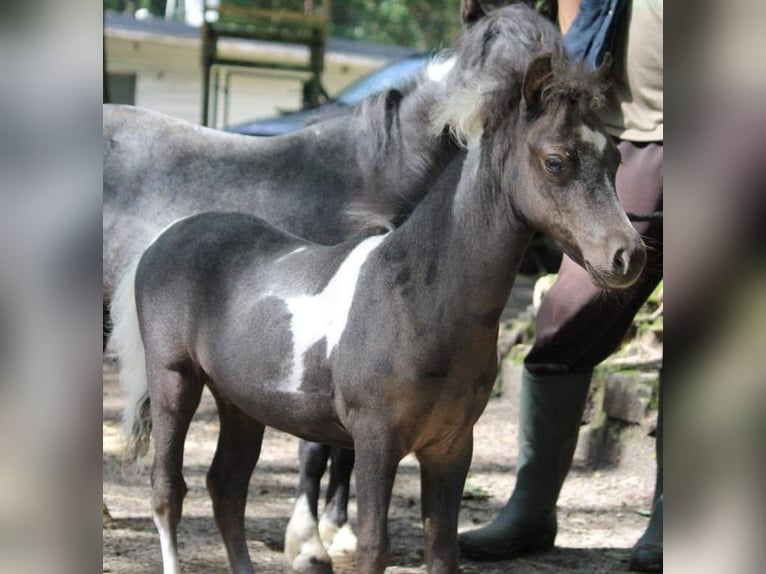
579	325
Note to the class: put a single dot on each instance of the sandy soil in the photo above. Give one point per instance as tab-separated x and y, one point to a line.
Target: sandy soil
600	513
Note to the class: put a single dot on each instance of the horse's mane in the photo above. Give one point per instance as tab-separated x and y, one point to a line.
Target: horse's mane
383	207
485	82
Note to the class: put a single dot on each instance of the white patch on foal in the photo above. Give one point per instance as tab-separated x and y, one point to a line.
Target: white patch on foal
325	315
587	135
169	553
302	543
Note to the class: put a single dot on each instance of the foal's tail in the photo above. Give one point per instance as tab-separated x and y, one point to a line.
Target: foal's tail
126	341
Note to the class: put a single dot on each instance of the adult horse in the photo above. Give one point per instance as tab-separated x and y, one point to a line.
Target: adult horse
383	156
386	344
381	159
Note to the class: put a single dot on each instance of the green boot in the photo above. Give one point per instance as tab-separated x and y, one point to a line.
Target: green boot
550	417
646	555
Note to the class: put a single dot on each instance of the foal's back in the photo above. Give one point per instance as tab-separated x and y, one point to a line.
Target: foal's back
210	267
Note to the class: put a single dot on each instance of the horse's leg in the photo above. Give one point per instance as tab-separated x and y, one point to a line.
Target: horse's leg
173	398
239	445
106	330
303	547
443	469
334	528
376	462
106	324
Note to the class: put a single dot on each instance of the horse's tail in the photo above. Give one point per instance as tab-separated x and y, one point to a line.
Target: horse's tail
126	341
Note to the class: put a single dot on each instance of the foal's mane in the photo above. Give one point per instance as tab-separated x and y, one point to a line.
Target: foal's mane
494	103
574	83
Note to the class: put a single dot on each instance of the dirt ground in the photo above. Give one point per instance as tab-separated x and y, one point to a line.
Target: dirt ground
601	513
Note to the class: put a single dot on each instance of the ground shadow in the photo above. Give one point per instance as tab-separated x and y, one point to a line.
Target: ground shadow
560	560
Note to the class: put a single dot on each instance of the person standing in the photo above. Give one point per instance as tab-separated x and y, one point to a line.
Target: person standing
578	326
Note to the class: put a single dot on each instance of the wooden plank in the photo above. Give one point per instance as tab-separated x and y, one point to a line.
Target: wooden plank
310	19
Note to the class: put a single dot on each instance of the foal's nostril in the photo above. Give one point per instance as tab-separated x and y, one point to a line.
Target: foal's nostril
620	262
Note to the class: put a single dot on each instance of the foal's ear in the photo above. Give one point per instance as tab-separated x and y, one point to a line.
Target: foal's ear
539	73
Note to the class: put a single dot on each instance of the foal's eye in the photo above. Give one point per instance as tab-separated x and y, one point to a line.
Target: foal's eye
554	163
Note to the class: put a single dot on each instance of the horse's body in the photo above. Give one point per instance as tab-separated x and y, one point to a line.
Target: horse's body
383	157
386	343
158	169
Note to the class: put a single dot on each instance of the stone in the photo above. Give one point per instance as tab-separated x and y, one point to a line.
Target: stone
510	373
626	398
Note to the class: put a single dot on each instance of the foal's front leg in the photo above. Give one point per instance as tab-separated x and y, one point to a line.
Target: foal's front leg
443	469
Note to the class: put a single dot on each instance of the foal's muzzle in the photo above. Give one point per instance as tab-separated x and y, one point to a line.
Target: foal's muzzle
623	261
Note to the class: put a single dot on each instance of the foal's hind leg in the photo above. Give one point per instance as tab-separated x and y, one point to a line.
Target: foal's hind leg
334	528
239	445
303	547
174	399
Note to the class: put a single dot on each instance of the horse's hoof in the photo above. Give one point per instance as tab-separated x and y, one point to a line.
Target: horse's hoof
308	564
342	548
307	556
327	531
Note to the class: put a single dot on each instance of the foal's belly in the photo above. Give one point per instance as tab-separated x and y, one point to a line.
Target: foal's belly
307	413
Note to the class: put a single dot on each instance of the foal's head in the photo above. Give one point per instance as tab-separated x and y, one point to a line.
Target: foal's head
549	155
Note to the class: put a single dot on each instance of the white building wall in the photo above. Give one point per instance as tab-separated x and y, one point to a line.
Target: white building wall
169	75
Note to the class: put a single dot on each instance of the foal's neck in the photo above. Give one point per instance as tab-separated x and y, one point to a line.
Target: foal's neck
468	243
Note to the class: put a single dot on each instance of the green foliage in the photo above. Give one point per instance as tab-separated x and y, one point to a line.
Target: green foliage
115	5
424	24
155	7
649	317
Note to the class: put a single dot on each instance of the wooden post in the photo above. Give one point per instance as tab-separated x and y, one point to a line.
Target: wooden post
313	27
209	39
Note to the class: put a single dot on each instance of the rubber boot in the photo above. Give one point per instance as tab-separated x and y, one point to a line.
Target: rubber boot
646	555
549	422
